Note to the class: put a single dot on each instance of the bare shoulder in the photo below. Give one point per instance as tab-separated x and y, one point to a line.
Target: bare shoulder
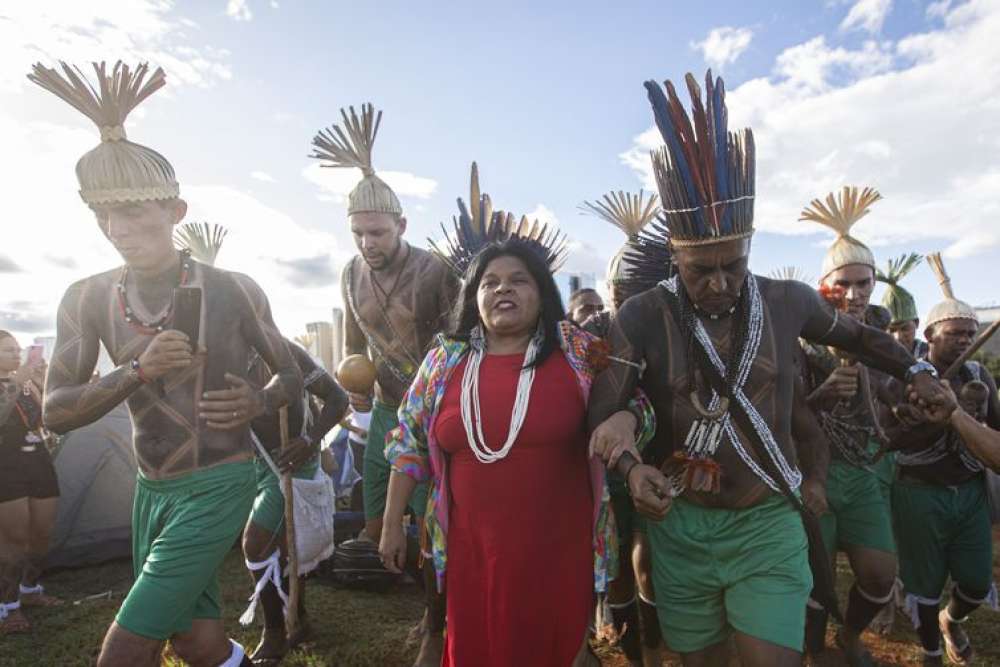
429	262
786	294
89	295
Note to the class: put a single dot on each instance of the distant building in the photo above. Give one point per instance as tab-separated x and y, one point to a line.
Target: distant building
322	342
337	338
570	282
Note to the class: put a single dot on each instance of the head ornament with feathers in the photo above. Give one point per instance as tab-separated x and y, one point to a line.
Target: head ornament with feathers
351	147
898	300
117	170
704	172
840	213
951	308
479	225
629	212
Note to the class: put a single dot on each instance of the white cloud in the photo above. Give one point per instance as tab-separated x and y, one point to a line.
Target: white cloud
543	214
340	182
262	176
918	119
88	31
724	45
274	4
938	9
238	10
867	15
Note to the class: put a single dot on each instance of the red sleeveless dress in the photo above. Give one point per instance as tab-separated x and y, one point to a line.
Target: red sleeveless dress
519	576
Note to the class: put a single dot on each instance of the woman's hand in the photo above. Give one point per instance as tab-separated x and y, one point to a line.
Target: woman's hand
613	437
650	491
392	547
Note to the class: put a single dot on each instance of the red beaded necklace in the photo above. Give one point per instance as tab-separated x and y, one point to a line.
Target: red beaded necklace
150	328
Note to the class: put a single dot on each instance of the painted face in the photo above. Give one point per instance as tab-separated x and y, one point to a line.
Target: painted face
377	236
949	339
587	304
905	333
10	354
857	281
713	274
142	232
508	298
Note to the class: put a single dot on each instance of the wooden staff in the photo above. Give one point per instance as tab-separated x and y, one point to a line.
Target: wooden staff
292	615
978	343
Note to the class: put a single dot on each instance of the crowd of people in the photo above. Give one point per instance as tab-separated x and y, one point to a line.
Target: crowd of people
692	456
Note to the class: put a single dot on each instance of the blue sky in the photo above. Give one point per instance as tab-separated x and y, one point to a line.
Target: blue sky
547	97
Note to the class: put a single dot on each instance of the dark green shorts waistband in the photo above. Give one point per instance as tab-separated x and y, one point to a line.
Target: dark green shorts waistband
206	477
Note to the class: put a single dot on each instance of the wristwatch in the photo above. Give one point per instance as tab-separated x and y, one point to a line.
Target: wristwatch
136	370
921	366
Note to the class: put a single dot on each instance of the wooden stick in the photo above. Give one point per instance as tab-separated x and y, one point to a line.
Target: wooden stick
347	425
292	615
976	344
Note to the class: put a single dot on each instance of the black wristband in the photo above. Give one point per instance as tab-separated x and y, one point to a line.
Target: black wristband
625	464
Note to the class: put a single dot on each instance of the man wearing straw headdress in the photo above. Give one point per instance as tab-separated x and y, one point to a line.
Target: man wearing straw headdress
630	595
842	391
714	349
397	297
189	401
940	498
901	305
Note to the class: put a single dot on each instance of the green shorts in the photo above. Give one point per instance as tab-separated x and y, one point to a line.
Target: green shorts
858	512
627	519
182	530
269	505
375	474
943	531
719	569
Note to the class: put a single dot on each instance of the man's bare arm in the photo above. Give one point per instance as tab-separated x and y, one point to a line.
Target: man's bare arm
319	383
354	340
285	384
811	444
615	386
871	346
71	400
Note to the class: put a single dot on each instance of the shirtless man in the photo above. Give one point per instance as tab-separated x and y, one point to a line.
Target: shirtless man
940	498
731	554
189	401
264	538
397	299
842	393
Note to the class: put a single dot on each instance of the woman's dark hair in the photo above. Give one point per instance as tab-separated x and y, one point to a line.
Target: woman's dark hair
465	315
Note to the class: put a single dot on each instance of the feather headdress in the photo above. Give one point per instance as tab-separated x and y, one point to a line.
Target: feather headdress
351	147
898	300
117	170
840	213
479	225
704	172
204	240
951	308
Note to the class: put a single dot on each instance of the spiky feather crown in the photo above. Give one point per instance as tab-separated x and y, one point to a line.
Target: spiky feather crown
117	170
840	213
951	308
898	300
704	172
480	226
790	273
351	147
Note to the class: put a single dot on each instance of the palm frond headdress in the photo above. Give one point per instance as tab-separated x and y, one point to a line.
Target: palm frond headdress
629	212
203	240
950	308
479	225
791	273
840	213
117	170
898	300
351	147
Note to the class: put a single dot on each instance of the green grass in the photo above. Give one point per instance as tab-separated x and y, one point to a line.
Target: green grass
354	627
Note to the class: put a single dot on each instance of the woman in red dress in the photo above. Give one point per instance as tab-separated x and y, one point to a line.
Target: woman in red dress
497	419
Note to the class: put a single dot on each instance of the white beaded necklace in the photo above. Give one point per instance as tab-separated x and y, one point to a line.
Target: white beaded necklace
472	414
